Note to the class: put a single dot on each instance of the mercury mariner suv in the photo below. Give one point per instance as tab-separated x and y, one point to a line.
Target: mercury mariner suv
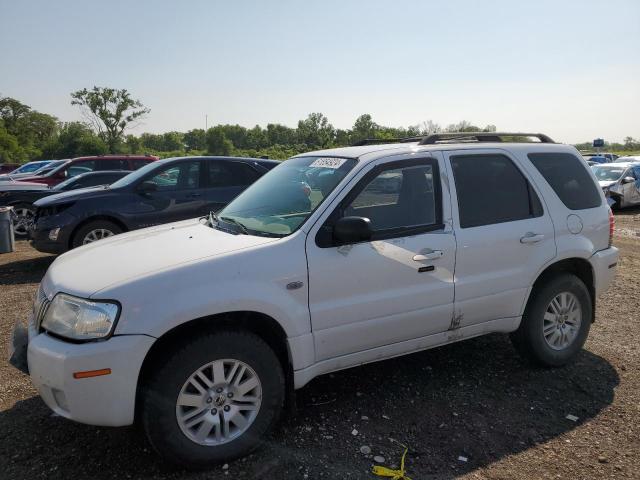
200	329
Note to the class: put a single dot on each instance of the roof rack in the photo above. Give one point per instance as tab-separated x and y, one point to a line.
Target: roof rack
377	141
479	137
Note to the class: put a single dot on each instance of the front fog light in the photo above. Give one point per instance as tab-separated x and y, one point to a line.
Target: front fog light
53	234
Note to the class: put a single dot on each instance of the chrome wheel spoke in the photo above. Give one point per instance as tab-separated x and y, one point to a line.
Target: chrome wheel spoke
219	402
561	321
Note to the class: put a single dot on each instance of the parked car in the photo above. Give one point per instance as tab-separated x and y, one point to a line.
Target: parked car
198	329
608	157
162	192
8	167
22	195
42	170
620	182
79	165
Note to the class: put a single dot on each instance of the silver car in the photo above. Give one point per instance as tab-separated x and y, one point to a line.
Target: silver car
620	182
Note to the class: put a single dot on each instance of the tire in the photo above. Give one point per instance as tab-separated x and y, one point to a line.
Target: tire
96	229
171	379
539	319
22	217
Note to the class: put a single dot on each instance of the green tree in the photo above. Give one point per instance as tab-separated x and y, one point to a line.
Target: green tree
363	128
217	142
75	139
133	143
110	111
315	131
172	141
195	139
10	150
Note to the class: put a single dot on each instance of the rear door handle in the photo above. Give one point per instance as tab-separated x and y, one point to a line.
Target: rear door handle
194	195
428	255
531	237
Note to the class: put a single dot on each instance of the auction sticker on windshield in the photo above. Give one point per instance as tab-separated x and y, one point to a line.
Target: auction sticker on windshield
328	162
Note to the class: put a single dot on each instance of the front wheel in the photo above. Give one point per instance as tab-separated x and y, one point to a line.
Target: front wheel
22	216
94	231
213	398
556	322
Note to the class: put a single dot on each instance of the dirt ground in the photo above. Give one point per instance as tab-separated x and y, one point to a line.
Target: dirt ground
475	400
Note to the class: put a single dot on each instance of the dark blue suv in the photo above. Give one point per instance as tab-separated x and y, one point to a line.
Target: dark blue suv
160	192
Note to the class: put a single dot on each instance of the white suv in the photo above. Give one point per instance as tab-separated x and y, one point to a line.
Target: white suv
333	259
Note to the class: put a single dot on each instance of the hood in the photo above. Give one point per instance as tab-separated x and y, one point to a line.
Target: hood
21	186
606	183
72	196
94	267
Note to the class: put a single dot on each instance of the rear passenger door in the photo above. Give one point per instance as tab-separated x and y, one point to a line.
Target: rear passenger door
225	181
504	235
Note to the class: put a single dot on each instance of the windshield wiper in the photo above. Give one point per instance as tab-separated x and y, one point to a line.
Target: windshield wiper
240	226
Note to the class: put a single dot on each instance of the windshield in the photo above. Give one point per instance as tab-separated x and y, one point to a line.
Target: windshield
66	183
136	175
608	173
30	167
282	200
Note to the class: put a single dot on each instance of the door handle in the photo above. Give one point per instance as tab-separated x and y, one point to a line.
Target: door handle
531	237
428	255
195	195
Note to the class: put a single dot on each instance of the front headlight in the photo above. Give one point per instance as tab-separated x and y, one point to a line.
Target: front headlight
79	319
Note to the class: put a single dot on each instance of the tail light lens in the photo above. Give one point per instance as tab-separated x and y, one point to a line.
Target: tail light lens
612	227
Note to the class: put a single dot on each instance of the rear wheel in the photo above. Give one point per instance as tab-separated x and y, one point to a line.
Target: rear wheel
556	322
212	399
94	231
23	215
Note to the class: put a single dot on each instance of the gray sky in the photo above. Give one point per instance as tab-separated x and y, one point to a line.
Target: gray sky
570	69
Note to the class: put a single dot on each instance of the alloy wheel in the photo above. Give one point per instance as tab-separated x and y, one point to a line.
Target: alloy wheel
219	402
97	234
562	320
22	220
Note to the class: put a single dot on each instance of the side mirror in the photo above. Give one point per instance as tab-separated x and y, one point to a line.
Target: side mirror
628	180
352	230
147	187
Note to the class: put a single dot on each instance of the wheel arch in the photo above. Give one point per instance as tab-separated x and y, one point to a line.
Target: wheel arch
260	324
580	267
88	220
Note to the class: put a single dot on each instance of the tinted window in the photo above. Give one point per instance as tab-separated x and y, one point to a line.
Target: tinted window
569	178
78	168
136	164
230	174
181	176
112	164
396	198
491	190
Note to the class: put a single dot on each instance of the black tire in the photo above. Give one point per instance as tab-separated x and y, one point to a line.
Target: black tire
20	229
529	339
83	231
163	387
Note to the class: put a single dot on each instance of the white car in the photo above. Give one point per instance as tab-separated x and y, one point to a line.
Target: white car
620	182
200	328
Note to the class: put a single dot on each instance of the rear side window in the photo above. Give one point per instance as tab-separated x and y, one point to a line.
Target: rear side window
568	177
492	190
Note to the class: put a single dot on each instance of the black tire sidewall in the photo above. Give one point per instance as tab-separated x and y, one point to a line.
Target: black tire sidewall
31	208
160	395
82	232
533	320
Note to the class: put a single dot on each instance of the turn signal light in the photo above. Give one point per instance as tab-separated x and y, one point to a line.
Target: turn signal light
612	227
92	373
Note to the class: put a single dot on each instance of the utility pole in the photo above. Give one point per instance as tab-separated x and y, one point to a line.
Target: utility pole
206	123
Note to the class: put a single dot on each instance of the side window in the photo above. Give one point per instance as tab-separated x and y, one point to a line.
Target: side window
398	198
182	176
492	190
136	164
80	167
569	178
636	172
231	174
112	164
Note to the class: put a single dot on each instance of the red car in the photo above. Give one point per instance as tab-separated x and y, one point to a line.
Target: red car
79	165
8	167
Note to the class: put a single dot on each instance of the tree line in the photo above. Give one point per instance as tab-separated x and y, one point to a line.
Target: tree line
26	134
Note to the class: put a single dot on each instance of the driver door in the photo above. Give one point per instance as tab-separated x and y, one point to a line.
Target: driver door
373	296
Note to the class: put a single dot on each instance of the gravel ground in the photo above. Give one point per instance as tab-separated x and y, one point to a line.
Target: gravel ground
469	410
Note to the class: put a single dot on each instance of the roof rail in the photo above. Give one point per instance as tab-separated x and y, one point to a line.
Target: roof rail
378	141
479	137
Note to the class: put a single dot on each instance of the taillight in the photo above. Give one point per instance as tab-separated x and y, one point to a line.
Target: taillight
612	227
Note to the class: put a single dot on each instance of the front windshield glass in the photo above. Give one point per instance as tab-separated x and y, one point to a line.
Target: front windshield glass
282	200
66	183
608	173
135	176
30	167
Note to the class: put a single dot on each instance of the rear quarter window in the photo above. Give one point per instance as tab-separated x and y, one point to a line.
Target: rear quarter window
569	178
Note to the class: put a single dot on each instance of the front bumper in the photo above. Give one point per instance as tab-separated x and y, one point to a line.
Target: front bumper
40	234
107	400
